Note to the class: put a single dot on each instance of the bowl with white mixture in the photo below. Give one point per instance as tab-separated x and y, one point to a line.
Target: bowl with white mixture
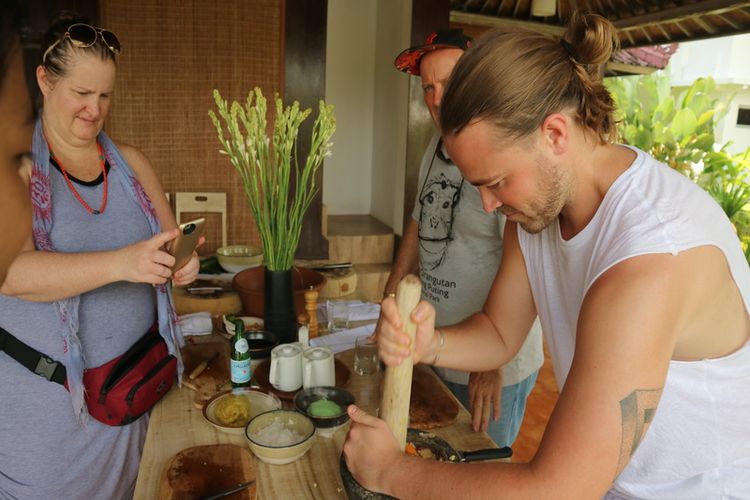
280	436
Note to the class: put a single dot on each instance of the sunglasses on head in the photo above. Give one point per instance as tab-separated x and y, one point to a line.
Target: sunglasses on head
85	35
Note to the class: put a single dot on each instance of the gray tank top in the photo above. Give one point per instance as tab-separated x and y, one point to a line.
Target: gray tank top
45	452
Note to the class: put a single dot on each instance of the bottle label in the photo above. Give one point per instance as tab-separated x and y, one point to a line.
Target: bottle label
240	371
241	346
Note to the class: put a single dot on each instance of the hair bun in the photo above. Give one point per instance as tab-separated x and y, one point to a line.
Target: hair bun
67	17
593	37
60	23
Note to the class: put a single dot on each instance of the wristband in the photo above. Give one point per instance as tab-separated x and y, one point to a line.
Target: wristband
440	347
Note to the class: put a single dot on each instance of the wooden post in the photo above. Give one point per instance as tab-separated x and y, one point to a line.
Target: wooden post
311	306
394	407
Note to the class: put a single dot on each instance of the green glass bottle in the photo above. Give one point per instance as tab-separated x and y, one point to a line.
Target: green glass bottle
240	357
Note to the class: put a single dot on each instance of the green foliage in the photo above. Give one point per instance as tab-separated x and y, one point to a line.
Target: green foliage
726	177
266	164
680	133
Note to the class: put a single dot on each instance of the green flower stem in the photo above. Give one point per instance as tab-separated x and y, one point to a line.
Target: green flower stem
265	166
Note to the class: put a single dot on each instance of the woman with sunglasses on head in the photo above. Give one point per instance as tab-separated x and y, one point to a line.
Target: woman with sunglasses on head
94	278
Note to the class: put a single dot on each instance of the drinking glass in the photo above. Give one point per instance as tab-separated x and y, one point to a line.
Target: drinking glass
366	360
338	315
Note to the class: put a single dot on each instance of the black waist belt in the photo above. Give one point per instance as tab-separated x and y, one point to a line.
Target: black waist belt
35	361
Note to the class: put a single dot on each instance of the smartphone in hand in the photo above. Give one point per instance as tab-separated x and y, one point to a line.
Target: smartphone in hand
181	248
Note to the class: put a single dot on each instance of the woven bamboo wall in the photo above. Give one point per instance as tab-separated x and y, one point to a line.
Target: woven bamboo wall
175	52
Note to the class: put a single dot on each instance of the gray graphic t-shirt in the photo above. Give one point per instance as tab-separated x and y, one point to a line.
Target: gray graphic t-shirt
460	246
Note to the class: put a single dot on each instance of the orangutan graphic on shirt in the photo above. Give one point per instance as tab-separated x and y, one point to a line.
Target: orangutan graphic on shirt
438	200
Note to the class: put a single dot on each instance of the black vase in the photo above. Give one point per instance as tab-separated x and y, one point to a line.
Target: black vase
279	315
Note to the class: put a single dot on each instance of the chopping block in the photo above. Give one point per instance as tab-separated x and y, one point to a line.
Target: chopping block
339	283
214	378
219	303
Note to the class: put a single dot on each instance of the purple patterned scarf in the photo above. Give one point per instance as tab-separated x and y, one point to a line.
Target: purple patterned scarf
41	199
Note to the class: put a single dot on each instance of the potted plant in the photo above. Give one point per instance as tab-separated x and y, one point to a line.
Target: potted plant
278	190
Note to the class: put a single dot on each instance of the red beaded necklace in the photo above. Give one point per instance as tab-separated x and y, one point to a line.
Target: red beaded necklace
75	192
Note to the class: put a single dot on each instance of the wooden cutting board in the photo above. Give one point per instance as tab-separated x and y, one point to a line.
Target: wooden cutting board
432	405
224	302
216	375
203	470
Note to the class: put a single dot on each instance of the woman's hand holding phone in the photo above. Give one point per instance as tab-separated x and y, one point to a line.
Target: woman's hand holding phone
183	248
153	260
187	273
147	261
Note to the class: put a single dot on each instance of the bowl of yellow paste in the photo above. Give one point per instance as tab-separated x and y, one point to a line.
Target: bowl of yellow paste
230	411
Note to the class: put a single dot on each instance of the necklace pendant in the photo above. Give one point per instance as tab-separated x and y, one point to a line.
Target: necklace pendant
95	212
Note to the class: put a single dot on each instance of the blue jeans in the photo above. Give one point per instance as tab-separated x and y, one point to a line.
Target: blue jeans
512	407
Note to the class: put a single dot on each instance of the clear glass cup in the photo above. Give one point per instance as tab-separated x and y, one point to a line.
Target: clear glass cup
366	359
338	315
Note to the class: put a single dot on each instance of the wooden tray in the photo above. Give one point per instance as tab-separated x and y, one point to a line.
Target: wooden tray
432	405
260	377
203	470
214	377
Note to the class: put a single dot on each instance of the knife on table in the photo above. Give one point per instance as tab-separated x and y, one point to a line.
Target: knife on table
227	492
331	267
202	366
486	454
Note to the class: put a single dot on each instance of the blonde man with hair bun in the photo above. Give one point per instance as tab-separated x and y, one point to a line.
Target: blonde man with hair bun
636	274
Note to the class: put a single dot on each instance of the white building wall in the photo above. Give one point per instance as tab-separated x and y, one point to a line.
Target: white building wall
366	173
724	59
730	131
391	114
350	84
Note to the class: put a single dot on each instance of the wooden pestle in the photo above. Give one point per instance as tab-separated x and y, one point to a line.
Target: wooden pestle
394	405
311	306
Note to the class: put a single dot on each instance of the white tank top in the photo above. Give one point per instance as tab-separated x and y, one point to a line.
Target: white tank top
698	445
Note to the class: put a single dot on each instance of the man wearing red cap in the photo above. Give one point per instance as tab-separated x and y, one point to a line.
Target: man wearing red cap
457	247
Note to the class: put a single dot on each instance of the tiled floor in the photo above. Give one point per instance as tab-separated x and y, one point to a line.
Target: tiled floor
538	409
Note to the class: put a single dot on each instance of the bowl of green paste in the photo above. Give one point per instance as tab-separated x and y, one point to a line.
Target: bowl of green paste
326	406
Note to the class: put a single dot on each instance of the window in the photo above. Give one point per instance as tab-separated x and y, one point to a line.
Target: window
743	116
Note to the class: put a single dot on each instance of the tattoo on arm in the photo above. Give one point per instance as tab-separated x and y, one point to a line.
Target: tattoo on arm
637	411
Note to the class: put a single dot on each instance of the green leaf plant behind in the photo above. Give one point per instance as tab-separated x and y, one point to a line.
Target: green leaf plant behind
680	132
677	131
269	166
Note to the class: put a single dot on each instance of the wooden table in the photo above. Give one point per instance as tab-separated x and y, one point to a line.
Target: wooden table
176	424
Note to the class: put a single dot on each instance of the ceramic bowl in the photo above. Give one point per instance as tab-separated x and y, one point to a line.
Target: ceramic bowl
236	258
261	344
278	454
260	402
303	399
252	324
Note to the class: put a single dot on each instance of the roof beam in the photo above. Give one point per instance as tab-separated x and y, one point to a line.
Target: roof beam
647	35
729	21
683	29
705	25
504	22
664	33
631	69
679	13
630	37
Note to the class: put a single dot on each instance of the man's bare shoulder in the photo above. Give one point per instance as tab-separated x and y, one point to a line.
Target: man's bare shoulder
691	295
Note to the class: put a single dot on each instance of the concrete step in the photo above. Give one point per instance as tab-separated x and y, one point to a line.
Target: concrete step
359	239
